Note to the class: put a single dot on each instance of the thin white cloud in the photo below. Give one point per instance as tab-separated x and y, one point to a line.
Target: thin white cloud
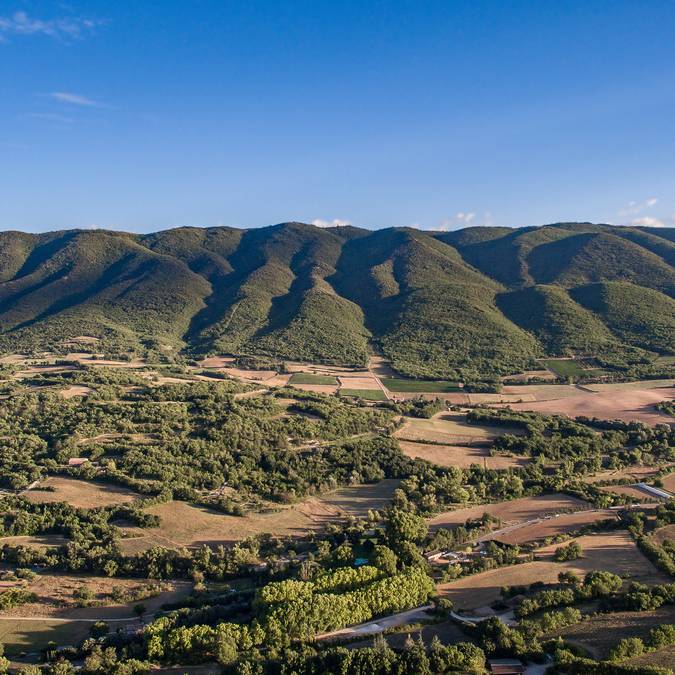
50	117
336	222
650	221
74	99
459	220
61	28
634	208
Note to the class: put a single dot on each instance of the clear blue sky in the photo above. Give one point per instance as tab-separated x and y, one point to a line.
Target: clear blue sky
147	115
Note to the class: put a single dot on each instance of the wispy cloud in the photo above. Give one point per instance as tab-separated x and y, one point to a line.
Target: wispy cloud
74	99
50	117
650	221
460	220
336	222
638	213
634	208
61	28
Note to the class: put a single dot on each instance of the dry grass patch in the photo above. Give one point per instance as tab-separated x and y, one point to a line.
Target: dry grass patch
513	511
661	658
629	491
32	636
601	633
615	552
669	482
462	456
187	525
41	541
663	533
542	392
56	616
81	494
635	473
552	527
76	390
449	428
612	551
317	388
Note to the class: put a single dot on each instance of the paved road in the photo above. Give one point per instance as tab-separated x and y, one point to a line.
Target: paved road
379	625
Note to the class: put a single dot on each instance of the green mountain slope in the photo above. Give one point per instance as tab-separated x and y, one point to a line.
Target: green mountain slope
639	316
562	326
432	314
470	305
587	257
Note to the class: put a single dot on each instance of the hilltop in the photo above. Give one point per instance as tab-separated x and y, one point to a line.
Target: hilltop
472	304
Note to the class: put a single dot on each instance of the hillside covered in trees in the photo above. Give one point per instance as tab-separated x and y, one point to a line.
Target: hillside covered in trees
470	304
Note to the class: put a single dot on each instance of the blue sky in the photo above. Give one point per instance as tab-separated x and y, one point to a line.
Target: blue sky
154	114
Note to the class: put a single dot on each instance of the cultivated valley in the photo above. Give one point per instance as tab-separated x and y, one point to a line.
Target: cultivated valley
331	450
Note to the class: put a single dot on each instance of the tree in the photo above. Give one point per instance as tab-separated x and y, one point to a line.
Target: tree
99	629
627	648
405	526
384	559
139	610
572	551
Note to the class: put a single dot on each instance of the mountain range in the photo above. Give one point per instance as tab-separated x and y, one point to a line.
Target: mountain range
470	304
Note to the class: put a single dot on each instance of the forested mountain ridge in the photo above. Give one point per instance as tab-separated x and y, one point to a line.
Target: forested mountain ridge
470	304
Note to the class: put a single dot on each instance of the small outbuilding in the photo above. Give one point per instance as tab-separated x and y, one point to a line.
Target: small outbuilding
505	666
77	461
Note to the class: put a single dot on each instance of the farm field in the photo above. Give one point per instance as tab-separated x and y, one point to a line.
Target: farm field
602	632
615	552
32	636
553	526
449	428
462	456
565	367
397	384
187	525
311	378
511	512
635	473
367	394
358	382
56	616
630	491
527	375
669	482
541	392
631	386
317	388
628	405
80	493
663	533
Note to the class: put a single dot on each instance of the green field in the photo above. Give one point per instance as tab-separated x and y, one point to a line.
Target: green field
431	386
368	394
310	378
565	368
